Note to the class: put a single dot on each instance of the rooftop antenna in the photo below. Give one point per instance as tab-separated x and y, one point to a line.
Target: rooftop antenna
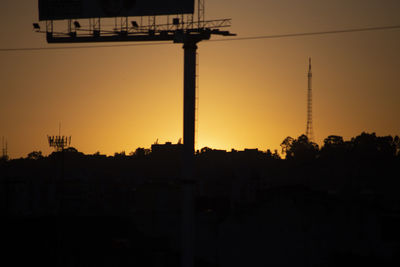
59	142
309	127
181	31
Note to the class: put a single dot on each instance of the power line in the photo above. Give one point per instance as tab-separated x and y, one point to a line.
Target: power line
290	35
276	36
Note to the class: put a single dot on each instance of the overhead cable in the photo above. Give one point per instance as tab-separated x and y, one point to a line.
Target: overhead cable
257	37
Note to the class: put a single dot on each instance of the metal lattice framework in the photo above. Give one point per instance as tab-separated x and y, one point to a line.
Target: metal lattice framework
134	29
59	143
122	31
4	149
309	128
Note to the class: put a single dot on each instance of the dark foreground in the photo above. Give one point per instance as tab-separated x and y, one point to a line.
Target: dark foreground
334	206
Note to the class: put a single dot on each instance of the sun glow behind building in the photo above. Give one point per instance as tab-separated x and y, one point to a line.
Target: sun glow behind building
251	92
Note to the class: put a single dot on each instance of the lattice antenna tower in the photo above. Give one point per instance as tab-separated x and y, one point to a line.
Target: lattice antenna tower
309	128
4	149
59	142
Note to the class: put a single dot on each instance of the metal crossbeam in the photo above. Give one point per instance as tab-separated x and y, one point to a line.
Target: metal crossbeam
124	32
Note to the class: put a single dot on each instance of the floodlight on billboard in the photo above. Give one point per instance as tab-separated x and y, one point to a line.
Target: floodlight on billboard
76	9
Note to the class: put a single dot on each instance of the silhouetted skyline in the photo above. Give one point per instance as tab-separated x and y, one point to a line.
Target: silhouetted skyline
335	205
251	94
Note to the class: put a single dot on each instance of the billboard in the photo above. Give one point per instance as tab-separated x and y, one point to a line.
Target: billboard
76	9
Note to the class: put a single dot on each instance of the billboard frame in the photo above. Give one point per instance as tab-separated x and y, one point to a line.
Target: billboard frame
86	9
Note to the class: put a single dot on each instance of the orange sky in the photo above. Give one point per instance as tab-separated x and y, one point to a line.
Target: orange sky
252	93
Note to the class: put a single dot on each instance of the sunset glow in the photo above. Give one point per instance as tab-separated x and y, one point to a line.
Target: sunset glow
252	93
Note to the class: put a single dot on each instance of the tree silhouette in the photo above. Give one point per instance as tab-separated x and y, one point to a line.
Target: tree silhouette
287	145
270	155
370	146
119	155
141	152
396	142
334	148
71	150
205	149
304	149
299	149
35	155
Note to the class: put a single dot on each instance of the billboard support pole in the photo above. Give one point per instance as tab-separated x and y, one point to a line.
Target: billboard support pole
188	181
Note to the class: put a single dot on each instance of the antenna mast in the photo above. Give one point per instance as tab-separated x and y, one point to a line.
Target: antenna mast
4	149
59	142
309	128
